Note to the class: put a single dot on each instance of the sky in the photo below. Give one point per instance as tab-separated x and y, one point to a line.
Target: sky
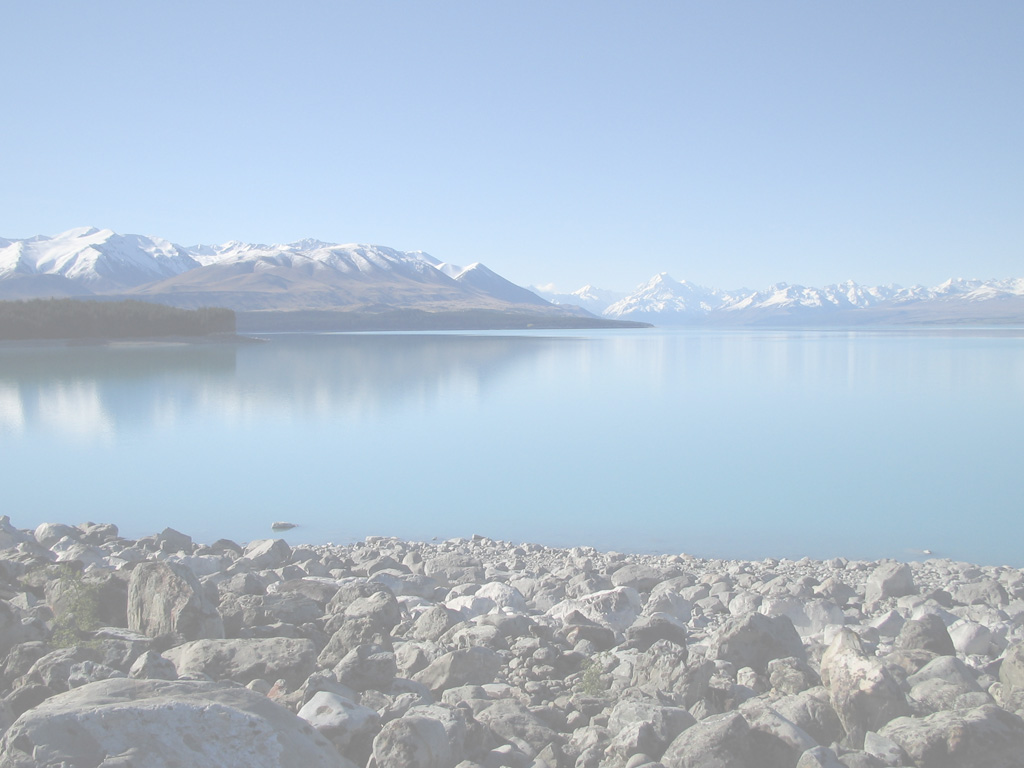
560	143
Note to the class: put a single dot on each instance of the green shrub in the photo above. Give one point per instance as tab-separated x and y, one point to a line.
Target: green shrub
81	607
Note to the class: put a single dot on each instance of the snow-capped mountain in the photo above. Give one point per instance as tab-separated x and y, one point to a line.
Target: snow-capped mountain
304	274
665	297
667	301
481	278
99	260
595	300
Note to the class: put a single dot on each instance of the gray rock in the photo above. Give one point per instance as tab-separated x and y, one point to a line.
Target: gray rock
649	629
98	533
651	727
470	666
367	667
349	726
242	661
170	540
85	672
152	666
889	580
812	711
986	737
754	640
468	739
971	638
777	742
20	659
381	607
948	669
163	724
267	554
886	751
809	617
513	721
451	568
412	742
434	622
614	608
819	757
664	669
862	690
981	592
1011	669
16	628
11	536
86	555
719	741
927	633
791	675
167	598
54	669
640	577
49	534
350	635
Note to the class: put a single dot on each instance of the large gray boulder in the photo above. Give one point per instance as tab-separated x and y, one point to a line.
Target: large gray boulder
242	661
349	726
812	711
863	692
470	666
15	628
777	742
1011	669
49	534
663	669
642	578
350	634
412	742
644	726
985	737
889	580
720	741
367	667
614	608
166	598
927	633
512	720
650	628
268	553
451	568
161	724
819	757
756	639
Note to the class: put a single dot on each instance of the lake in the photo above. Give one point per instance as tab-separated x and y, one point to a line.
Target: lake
717	443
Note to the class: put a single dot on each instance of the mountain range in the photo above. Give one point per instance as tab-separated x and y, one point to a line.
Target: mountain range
666	301
311	275
306	275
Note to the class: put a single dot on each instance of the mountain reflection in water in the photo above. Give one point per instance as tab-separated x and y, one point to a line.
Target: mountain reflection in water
725	443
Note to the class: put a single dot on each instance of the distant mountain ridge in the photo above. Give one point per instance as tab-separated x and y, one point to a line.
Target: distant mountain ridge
315	275
308	274
666	301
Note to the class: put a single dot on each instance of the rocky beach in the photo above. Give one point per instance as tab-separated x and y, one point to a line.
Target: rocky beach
386	653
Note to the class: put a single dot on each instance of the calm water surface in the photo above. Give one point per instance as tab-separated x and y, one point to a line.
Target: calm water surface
717	443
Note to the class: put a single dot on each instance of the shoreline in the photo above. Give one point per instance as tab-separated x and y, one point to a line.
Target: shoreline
484	652
131	341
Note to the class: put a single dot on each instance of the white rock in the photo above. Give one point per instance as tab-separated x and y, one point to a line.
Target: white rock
349	726
163	724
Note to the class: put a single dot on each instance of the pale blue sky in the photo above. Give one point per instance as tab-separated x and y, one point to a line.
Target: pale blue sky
731	144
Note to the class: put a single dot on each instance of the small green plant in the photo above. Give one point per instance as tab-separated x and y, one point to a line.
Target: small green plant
592	684
79	608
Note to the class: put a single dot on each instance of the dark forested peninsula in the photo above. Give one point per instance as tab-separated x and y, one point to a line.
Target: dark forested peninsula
74	319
